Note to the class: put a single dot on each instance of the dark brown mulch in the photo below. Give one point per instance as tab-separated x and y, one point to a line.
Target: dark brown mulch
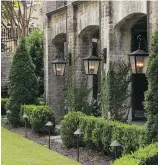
87	156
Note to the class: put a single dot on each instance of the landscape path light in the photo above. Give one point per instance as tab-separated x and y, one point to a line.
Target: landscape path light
49	124
117	147
8	116
78	133
25	117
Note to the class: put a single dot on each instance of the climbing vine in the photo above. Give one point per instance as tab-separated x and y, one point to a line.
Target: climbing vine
69	88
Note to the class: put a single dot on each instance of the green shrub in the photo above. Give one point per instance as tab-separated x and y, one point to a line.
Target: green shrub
23	82
41	101
100	132
68	126
140	157
3	105
151	95
4	102
38	116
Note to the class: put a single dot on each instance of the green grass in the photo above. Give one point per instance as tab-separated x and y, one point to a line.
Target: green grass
16	150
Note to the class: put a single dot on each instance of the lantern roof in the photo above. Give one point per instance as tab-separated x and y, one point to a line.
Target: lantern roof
78	132
91	57
139	52
49	124
115	144
59	61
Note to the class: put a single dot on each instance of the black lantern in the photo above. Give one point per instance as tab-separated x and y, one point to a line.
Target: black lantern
139	59
92	62
59	66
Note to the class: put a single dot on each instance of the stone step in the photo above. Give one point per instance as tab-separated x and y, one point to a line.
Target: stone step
55	138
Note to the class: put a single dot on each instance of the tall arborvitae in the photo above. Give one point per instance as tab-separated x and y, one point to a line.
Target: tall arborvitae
151	95
23	82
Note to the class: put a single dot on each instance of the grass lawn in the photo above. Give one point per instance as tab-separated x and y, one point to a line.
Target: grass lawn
16	150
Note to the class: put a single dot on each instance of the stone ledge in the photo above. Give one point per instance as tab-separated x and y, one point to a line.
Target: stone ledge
57	10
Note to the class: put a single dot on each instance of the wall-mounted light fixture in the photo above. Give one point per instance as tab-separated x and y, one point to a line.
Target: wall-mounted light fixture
139	58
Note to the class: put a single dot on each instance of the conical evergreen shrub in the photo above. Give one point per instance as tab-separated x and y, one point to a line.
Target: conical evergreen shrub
151	95
23	82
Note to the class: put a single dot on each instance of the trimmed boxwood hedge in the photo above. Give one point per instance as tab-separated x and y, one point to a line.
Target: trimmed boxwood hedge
144	156
38	116
99	132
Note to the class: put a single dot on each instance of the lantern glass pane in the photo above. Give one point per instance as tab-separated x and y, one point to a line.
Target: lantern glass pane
93	66
60	68
132	61
54	69
86	66
141	64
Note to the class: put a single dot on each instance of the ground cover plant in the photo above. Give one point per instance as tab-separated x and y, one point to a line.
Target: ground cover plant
144	156
16	150
100	133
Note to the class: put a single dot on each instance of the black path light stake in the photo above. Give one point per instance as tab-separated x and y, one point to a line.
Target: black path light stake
78	133
25	117
117	148
49	125
8	115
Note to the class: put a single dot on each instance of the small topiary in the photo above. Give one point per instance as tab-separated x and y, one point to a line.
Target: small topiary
38	116
23	82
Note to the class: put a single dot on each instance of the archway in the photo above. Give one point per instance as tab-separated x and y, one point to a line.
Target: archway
86	37
126	32
139	81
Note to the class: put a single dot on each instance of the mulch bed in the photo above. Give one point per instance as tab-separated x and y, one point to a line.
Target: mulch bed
87	156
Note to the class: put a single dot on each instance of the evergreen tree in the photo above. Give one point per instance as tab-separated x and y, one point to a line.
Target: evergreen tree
35	47
23	83
151	95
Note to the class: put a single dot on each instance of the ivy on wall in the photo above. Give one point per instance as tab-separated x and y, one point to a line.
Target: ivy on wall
69	88
114	91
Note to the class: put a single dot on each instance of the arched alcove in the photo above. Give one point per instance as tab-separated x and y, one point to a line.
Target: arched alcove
125	36
56	83
85	43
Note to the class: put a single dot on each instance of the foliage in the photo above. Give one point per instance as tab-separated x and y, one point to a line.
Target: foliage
18	150
104	100
23	83
38	116
151	95
17	14
116	90
94	108
100	132
140	157
68	126
3	105
41	101
35	48
80	98
69	88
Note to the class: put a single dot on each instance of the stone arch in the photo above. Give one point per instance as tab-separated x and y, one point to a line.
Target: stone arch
84	47
130	20
122	39
56	84
122	34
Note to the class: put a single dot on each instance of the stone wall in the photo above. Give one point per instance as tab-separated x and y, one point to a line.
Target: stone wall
114	19
6	59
